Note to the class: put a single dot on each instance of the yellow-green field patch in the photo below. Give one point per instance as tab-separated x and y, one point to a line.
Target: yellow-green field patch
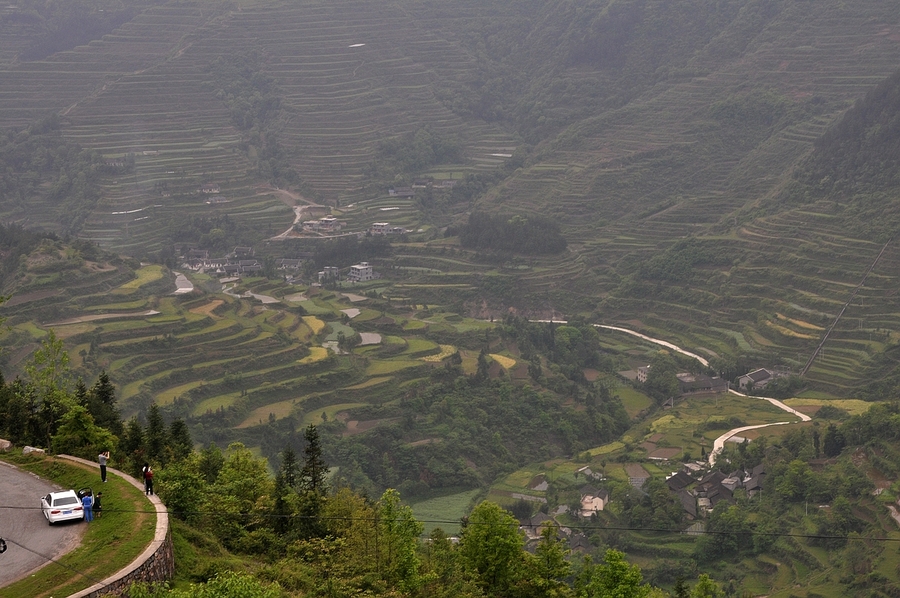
212	404
331	411
167	397
851	406
369	383
505	362
206	310
314	323
379	367
414	325
633	400
145	275
446	351
444	512
315	354
607	448
260	415
419	345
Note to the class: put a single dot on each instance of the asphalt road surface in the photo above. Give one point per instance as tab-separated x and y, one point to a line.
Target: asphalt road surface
28	527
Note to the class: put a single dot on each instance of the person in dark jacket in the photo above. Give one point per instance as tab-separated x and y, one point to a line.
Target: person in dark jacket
148	480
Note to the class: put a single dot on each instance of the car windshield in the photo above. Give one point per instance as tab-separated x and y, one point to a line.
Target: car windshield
65	500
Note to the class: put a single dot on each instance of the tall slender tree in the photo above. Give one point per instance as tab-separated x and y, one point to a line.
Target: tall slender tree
156	437
314	473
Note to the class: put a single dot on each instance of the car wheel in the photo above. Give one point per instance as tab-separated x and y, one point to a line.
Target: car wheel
49	522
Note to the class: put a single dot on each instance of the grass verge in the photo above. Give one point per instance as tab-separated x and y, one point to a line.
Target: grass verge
109	543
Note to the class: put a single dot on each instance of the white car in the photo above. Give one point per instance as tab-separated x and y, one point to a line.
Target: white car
61	506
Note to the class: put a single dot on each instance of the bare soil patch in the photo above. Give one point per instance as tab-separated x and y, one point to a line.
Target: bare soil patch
206	310
35	296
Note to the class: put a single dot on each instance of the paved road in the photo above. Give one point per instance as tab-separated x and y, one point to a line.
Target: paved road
29	527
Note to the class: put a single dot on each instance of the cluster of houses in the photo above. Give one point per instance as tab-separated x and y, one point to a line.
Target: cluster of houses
239	262
326	224
385	228
689	383
697	491
360	272
699	497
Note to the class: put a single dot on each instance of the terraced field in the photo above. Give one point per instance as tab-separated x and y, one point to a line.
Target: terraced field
235	362
700	150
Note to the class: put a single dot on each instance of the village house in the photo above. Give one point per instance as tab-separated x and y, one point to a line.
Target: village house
535	525
642	373
288	263
329	273
401	192
678	481
379	228
327	224
209	188
593	501
756	379
361	272
698	383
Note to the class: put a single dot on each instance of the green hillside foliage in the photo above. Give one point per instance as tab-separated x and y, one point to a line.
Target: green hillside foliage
41	168
532	235
860	154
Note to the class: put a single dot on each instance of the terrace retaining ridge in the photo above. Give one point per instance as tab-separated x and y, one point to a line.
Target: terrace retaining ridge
155	563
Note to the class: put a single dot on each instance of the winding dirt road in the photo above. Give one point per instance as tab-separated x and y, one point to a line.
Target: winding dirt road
718	443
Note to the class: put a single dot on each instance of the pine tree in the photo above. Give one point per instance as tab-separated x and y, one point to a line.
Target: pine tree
211	462
156	435
132	445
101	402
81	395
180	444
315	470
289	468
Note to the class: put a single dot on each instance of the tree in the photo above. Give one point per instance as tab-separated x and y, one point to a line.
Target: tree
315	471
289	468
400	533
614	578
48	375
707	588
491	545
101	402
132	445
180	485
211	462
156	438
661	382
180	445
549	568
78	435
834	441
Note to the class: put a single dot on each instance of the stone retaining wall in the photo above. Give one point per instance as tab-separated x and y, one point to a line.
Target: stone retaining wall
156	563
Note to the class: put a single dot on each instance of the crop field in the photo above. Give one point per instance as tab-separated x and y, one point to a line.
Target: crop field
444	512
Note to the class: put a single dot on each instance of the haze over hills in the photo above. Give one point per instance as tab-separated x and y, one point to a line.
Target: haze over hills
663	138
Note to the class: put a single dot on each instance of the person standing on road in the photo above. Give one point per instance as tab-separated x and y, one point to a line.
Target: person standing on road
103	458
148	480
88	503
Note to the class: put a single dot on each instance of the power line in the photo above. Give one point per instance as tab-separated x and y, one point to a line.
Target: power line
53	560
376	519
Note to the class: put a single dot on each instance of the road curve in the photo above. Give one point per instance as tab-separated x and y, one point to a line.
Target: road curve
718	443
26	530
